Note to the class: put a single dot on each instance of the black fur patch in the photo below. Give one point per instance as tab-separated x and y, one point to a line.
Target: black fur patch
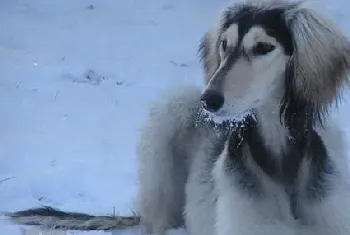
236	161
272	20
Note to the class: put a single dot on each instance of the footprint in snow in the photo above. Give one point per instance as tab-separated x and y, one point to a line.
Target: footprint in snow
89	77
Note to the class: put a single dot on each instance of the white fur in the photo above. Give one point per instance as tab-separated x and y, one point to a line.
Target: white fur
200	196
332	216
238	214
163	151
166	188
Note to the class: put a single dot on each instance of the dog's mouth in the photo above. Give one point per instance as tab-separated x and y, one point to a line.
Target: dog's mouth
224	115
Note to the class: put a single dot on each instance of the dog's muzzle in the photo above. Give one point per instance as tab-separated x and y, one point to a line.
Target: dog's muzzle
212	100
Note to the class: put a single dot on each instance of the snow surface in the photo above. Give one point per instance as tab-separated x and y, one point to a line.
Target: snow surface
75	84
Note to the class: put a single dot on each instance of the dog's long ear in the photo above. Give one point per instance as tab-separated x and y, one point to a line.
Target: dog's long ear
209	53
321	58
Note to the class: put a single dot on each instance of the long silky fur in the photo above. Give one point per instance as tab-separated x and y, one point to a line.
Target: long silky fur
318	69
52	218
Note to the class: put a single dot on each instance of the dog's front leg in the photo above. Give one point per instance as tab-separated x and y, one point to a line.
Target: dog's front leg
238	216
164	148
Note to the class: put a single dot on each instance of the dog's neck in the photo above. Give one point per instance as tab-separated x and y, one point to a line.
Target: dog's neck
279	154
274	134
273	147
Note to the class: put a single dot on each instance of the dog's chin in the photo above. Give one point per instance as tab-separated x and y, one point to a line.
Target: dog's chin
224	115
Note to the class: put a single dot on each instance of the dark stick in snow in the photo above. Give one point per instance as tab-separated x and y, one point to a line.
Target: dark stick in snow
56	219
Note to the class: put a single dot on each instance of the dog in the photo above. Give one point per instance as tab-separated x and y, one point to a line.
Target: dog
255	152
279	67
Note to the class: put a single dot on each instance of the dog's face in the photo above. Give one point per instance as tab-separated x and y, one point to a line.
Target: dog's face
258	54
253	49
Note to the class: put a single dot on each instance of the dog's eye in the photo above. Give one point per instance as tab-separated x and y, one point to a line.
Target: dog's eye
224	45
262	48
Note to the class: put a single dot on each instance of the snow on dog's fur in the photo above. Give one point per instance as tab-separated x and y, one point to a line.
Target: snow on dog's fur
280	168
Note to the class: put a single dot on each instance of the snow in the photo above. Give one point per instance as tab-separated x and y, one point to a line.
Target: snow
76	81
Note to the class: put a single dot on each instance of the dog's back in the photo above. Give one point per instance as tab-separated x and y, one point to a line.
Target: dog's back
163	149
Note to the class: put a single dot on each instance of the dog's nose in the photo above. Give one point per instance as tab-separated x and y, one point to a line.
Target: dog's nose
212	100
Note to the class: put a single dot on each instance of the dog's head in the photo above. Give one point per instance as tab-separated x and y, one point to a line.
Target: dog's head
260	52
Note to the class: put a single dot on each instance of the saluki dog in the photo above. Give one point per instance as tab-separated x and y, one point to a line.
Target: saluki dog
256	151
273	69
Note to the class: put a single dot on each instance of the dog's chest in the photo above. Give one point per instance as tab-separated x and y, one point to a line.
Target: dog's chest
288	178
281	195
278	200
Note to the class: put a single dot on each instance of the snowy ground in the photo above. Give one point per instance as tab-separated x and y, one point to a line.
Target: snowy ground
75	83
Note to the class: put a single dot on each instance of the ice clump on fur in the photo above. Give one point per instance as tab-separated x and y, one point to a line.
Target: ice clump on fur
222	123
221	118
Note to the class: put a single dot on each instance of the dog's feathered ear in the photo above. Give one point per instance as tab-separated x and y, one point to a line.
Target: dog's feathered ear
209	54
321	58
